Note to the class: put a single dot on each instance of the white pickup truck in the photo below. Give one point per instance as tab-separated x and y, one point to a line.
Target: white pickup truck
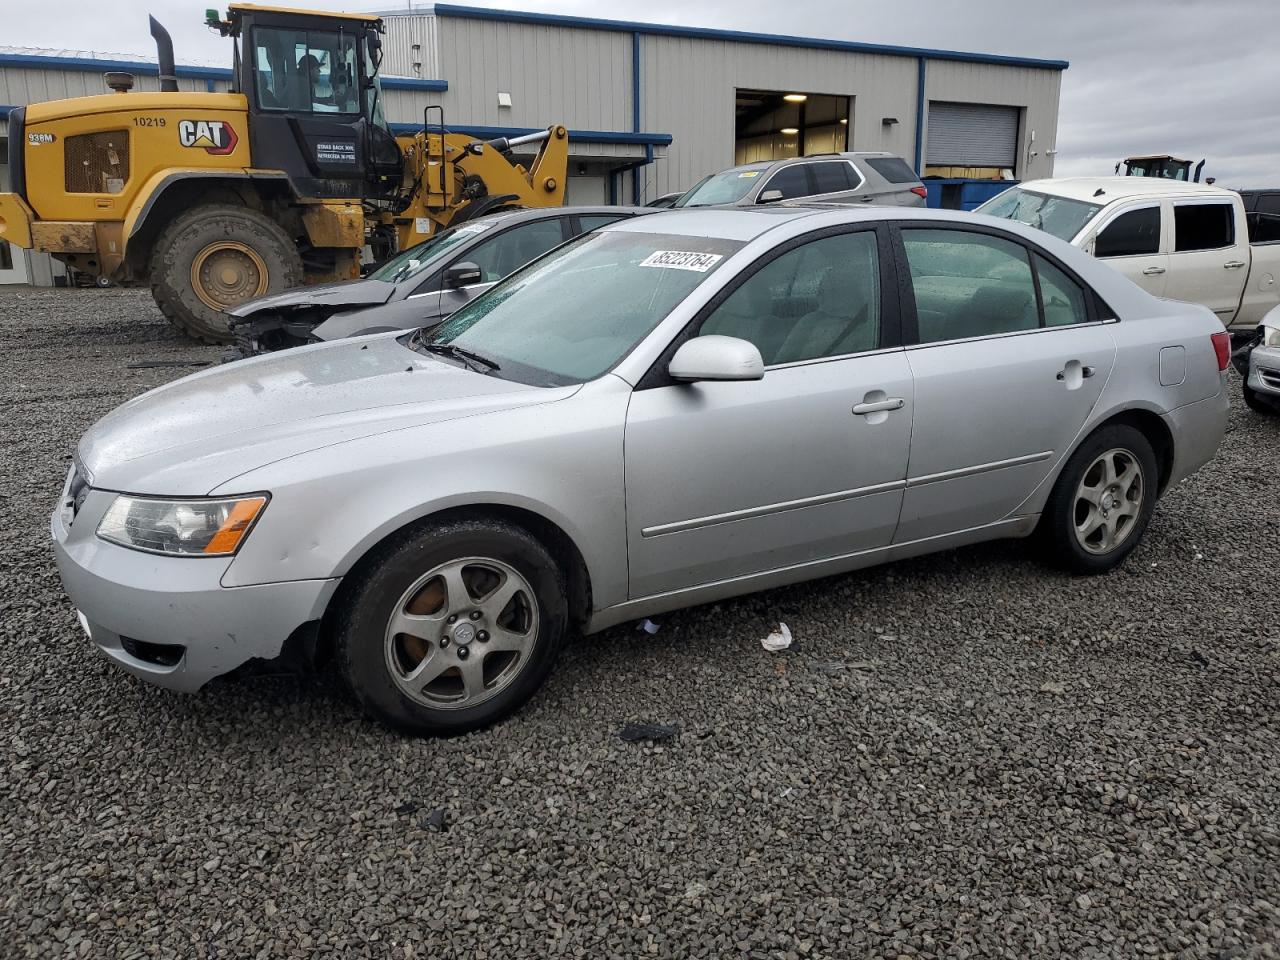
1177	240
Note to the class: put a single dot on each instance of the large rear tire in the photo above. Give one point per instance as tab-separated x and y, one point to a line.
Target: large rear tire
212	258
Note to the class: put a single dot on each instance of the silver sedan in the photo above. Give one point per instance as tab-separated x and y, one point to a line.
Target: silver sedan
673	410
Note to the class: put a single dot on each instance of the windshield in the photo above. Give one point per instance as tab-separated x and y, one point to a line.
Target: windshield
571	315
727	187
417	258
1056	215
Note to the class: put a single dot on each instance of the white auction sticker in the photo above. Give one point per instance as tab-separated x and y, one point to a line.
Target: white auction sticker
682	260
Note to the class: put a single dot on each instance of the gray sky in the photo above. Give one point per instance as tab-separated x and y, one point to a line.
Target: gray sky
1194	78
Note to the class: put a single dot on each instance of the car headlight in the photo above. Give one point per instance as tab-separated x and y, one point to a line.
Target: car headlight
193	528
1271	336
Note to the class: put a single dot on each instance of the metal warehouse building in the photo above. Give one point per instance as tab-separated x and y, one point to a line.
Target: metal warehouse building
650	108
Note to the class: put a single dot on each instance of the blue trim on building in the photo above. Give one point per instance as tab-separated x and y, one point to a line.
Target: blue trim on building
4	110
740	36
581	136
920	105
36	62
208	74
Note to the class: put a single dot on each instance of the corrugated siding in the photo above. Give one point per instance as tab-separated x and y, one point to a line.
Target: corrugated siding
690	84
973	134
1035	91
22	85
581	78
410	47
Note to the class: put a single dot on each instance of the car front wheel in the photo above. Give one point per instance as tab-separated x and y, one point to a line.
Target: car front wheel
1102	502
453	627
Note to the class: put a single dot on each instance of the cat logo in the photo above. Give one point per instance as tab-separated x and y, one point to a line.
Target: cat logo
216	136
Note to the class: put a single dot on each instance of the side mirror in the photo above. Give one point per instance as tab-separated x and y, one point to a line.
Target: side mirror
715	357
463	274
770	196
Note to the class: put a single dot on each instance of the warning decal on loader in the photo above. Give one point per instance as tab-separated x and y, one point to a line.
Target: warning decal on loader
215	136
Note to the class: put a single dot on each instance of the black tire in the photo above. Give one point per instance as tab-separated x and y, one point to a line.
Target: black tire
192	233
1259	404
362	624
1057	529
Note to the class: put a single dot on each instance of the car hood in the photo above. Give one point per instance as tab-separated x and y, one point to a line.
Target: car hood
348	293
197	433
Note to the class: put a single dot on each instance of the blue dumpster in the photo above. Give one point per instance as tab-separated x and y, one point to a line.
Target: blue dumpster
947	194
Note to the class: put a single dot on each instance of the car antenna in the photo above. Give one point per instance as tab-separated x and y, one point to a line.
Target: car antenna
1099	192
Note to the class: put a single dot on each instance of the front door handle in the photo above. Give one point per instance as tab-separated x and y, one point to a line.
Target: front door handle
1233	265
1153	271
866	199
879	406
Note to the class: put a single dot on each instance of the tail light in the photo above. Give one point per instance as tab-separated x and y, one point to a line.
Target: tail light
921	192
1222	347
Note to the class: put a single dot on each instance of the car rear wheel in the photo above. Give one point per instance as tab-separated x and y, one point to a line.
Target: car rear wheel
1102	502
1259	404
453	627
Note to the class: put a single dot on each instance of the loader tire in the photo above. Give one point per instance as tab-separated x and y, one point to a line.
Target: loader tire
212	258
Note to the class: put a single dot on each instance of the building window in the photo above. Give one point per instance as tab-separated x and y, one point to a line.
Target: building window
778	124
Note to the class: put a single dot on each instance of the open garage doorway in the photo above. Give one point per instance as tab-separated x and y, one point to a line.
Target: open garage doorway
776	124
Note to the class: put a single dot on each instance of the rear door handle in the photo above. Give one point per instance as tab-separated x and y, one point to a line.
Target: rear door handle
1153	271
1233	265
866	199
1085	372
893	403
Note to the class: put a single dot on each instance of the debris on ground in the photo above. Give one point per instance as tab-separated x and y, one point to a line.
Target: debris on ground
780	639
437	821
648	626
836	667
657	732
153	364
1053	686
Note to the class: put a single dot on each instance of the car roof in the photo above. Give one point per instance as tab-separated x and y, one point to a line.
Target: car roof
1120	188
540	213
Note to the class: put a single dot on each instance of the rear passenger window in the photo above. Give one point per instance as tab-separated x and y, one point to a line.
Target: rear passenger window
821	299
1132	234
832	177
893	169
793	181
1063	299
969	285
1202	226
1269	203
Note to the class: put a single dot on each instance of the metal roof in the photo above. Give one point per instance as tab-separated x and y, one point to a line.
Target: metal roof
46	58
708	33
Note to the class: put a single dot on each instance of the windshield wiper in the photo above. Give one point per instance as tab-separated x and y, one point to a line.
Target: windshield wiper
475	361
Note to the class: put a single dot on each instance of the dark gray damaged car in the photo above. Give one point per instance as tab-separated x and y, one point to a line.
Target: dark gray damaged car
417	286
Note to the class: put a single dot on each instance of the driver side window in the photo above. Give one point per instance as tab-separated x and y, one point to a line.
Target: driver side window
821	299
507	252
305	71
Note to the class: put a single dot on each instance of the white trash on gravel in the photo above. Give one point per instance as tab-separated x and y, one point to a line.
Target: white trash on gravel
780	639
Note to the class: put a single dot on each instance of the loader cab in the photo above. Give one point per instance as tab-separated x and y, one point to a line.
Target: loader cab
1163	166
315	104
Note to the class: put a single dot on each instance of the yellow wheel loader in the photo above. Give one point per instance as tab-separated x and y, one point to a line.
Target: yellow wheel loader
216	198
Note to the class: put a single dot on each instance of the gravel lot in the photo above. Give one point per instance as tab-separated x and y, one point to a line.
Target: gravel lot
964	756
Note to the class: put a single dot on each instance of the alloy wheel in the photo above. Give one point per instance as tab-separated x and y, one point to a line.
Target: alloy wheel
461	633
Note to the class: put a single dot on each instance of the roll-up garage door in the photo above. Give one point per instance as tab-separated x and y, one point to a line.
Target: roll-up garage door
972	135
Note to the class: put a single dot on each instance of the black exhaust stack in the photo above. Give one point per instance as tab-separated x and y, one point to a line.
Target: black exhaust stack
164	50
